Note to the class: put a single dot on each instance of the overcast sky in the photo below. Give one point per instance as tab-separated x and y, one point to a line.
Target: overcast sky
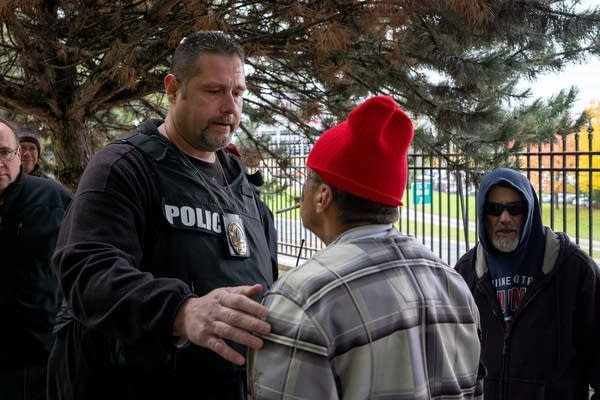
585	76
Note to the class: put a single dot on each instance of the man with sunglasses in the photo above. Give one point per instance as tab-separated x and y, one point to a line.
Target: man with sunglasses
31	210
538	295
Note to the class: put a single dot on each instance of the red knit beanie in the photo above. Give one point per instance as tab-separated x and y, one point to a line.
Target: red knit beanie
366	155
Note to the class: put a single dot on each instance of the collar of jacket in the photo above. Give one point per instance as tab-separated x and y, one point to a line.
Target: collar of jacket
4	198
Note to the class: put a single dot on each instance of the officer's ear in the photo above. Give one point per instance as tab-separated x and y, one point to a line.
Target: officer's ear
171	87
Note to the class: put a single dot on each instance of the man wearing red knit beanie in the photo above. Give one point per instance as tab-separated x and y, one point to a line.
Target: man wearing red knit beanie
375	314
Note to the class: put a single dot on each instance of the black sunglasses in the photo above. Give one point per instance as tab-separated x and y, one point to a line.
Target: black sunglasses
513	208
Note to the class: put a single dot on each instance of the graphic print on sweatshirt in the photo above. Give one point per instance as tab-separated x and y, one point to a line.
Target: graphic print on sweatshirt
510	291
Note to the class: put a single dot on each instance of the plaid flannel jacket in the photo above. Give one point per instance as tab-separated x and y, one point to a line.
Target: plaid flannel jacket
375	315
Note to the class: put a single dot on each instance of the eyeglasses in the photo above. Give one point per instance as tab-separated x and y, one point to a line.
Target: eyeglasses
8	154
513	208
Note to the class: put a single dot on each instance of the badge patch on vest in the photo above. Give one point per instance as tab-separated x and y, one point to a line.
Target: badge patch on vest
236	235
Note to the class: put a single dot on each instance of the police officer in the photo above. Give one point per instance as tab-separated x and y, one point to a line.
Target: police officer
163	253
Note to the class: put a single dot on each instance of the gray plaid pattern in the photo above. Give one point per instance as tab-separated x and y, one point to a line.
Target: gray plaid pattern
375	315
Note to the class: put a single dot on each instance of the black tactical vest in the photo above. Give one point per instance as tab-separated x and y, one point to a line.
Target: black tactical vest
184	240
190	243
191	240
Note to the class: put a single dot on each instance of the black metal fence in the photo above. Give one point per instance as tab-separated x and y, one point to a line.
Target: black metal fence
439	205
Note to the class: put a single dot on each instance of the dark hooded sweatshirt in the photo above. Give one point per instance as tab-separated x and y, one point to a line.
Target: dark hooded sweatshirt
550	291
512	273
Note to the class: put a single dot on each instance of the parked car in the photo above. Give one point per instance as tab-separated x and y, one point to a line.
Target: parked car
582	201
568	198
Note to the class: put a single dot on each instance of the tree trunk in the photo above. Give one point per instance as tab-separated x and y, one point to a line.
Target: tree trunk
71	145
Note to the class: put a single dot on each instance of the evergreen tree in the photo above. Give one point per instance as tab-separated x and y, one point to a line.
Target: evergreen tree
81	69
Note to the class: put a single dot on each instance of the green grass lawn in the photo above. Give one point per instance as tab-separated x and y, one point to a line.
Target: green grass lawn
442	221
568	220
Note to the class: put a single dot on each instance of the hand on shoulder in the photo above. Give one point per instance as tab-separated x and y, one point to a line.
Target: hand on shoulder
225	313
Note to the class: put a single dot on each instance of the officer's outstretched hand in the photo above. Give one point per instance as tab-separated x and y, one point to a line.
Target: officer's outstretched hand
225	313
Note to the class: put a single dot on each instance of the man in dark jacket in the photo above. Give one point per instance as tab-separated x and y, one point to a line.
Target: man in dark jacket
538	296
31	210
163	254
